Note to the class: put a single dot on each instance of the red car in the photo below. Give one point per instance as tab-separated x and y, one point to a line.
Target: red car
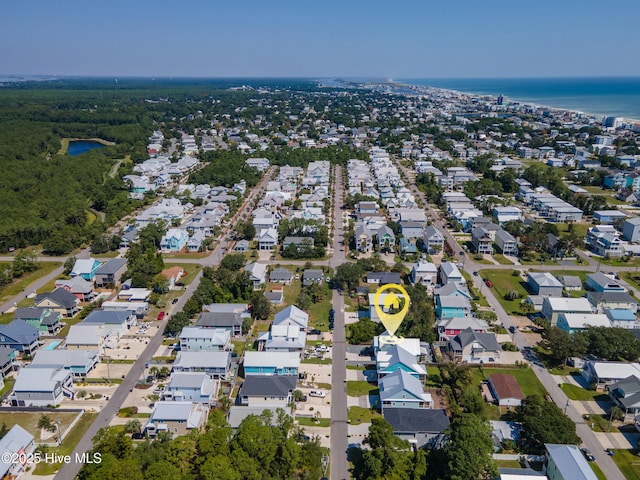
488	283
160	315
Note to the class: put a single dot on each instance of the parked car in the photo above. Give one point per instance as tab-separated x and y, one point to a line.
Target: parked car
160	315
587	454
315	331
175	300
512	329
317	393
475	274
488	283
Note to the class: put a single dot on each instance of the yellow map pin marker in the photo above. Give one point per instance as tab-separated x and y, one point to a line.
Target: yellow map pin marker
391	321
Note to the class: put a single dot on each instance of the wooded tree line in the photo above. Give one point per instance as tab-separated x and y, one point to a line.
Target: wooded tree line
258	450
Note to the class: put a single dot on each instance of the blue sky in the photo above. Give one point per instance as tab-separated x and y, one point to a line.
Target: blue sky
285	38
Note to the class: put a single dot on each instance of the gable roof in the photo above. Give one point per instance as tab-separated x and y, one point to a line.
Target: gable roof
84	265
468	336
280	274
110	317
111	267
544	279
570	462
506	386
401	381
59	296
16	442
39	378
20	331
292	314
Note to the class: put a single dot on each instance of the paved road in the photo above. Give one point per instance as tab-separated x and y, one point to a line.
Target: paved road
137	371
588	438
339	425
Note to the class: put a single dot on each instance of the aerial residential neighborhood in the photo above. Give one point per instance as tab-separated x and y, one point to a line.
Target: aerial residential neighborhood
239	286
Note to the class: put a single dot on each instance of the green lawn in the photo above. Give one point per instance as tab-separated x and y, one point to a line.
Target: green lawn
68	445
617	262
310	422
501	259
526	378
508	464
628	463
575	392
317	361
169	256
504	282
358	415
359	388
579	228
482	301
8	386
191	270
598	471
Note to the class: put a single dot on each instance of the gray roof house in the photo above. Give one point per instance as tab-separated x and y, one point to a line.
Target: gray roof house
544	284
19	335
117	322
16	442
474	347
110	273
78	362
7	358
433	240
383	278
567	461
216	364
311	275
39	386
193	387
570	282
626	394
267	391
60	300
422	427
228	316
400	389
176	418
281	275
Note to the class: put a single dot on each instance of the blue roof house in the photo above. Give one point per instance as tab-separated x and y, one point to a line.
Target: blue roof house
19	335
85	268
174	240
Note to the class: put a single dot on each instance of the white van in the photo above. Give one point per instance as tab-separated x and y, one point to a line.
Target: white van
317	393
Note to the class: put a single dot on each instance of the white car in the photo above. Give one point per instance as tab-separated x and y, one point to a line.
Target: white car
317	393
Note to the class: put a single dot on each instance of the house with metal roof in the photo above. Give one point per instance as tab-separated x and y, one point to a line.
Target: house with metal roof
544	284
267	391
20	335
570	282
39	386
622	318
192	387
400	389
552	307
452	306
16	442
626	394
433	240
282	338
397	358
216	364
449	273
85	268
7	359
228	316
448	328
110	273
602	374
292	315
566	462
421	427
602	301
86	336
78	362
78	286
281	275
176	418
599	282
425	273
196	339
257	274
271	363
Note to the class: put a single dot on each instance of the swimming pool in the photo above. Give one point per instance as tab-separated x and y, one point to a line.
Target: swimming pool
52	345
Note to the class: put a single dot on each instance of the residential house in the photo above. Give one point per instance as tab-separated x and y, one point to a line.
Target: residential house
46	321
367	208
115	323
85	336
425	273
570	283
110	273
566	462
242	246
20	335
276	296
271	363
79	287
608	217
421	427
631	229
405	247
282	338
196	339
452	306
544	284
300	243
602	374
452	289
507	214
61	301
195	387
626	394
228	316
448	328
78	362
386	238
433	240
602	301
194	244
552	307
267	391
506	243
400	389
622	318
261	164
311	276
257	274
482	241
174	240
505	390
449	273
41	386
173	275
412	229
268	239
216	364
398	358
281	275
176	418
599	282
473	347
7	359
292	315
17	443
383	278
85	268
604	240
577	322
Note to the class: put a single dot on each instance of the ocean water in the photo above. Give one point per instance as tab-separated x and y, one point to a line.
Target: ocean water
610	96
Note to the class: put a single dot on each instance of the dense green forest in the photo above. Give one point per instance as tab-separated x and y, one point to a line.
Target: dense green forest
262	448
